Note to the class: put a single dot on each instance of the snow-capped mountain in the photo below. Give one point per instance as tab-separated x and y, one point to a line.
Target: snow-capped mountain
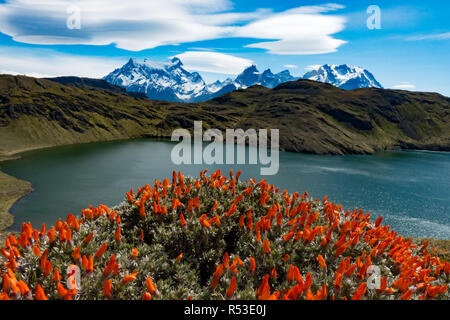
343	76
252	76
168	81
249	77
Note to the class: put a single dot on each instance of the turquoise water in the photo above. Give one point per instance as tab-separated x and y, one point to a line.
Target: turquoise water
411	189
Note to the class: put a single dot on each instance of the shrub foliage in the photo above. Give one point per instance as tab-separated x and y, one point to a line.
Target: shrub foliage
216	237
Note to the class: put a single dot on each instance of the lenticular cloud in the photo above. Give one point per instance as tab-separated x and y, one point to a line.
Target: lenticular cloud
137	25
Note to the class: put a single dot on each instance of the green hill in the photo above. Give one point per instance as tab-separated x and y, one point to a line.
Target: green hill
312	117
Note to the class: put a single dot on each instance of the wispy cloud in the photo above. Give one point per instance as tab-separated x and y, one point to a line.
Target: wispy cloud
404	85
136	25
298	31
290	66
48	63
213	62
312	67
433	36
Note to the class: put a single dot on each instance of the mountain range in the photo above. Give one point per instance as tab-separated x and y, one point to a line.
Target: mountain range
171	81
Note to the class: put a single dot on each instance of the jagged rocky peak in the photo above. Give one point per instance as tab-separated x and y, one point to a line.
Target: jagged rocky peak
343	76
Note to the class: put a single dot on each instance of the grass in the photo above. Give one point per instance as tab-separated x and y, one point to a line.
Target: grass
216	237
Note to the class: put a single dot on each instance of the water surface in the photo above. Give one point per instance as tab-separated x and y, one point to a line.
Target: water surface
411	189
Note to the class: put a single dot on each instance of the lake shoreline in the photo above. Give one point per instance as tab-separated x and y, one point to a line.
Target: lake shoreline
11	190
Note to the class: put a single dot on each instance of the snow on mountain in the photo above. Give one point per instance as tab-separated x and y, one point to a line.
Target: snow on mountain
168	81
252	76
343	76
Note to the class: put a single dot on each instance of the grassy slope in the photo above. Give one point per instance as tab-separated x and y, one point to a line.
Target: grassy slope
312	117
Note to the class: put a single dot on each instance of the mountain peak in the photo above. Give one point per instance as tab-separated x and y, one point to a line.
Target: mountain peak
343	76
159	80
176	61
251	68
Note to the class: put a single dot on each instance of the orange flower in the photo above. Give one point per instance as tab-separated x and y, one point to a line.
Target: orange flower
118	235
63	292
359	293
274	273
147	296
204	222
51	235
378	222
36	251
76	254
151	287
321	261
233	268
338	280
266	246
216	277
142	209
39	293
226	260
232	288
47	268
88	264
88	238
182	220
129	278
179	257
107	288
134	253
101	250
24	289
252	264
56	276
407	295
110	266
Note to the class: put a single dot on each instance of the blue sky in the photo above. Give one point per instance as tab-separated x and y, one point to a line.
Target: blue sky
218	38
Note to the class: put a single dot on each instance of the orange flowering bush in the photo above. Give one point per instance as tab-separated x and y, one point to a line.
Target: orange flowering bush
216	237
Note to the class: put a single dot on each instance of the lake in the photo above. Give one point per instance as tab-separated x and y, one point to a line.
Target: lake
410	189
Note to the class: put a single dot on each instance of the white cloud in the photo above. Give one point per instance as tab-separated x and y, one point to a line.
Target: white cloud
136	25
290	66
132	24
297	31
404	85
435	36
48	63
312	67
213	62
